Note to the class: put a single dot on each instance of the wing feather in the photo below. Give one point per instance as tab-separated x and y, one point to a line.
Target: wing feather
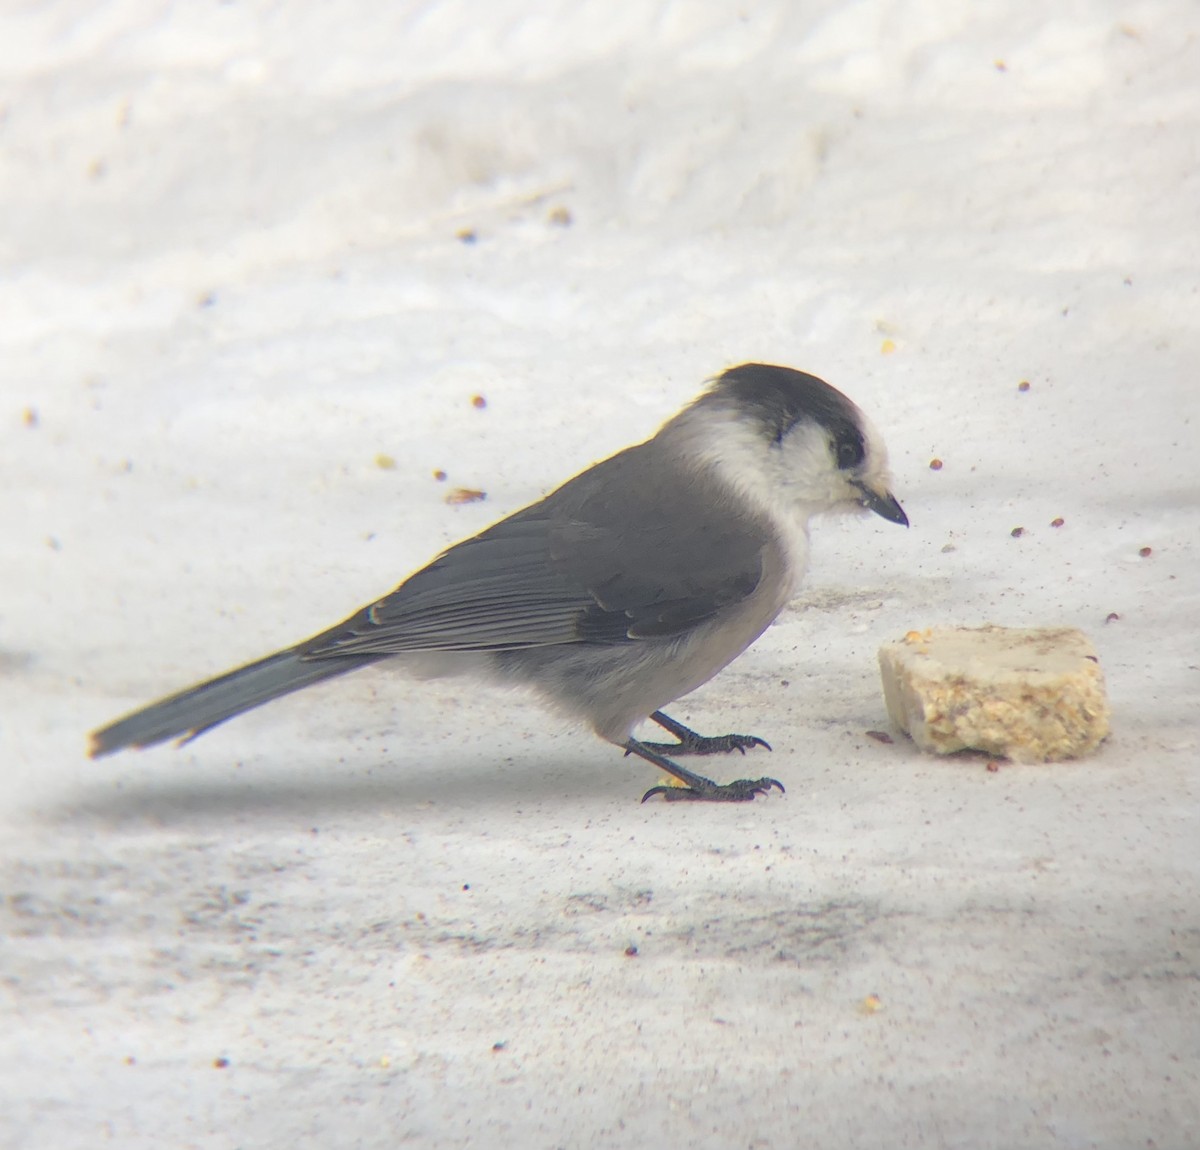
613	556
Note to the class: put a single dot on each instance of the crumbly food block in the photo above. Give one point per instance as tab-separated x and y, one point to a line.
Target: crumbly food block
1029	694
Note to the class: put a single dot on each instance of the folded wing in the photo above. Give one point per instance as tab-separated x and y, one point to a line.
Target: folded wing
613	556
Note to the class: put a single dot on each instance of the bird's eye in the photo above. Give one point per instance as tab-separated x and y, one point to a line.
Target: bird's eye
849	448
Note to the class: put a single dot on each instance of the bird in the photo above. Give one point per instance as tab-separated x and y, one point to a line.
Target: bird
624	589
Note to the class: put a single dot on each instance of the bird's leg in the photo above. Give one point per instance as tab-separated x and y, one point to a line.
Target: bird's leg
697	788
691	743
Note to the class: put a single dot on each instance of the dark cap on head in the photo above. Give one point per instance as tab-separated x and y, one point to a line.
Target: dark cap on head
780	397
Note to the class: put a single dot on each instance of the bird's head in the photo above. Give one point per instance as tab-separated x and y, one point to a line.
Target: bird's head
793	441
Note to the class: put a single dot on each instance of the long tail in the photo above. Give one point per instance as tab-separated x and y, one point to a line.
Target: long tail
194	711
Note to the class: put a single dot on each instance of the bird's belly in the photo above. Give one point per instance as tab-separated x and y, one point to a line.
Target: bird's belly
614	688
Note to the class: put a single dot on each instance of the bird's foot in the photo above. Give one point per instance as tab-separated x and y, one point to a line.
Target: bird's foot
706	791
691	743
696	788
709	744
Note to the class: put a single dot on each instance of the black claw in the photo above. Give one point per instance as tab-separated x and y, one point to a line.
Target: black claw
745	741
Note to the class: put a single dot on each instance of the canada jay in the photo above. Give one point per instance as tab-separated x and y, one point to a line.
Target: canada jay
626	588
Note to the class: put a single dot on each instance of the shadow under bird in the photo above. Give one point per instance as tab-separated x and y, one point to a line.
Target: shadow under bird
629	586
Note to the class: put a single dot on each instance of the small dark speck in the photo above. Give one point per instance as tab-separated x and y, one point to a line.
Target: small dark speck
1093	658
880	736
1145	552
1023	385
992	767
785	682
1111	617
1017	532
1057	522
631	951
498	1046
466	886
220	1063
478	402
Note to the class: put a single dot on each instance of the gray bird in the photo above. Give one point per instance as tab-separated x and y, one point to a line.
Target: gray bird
629	586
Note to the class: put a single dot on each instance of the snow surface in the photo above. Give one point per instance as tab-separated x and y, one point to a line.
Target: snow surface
384	912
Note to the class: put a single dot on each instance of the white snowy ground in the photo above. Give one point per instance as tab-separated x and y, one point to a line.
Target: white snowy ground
393	913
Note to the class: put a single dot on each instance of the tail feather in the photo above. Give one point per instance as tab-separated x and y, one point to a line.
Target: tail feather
194	711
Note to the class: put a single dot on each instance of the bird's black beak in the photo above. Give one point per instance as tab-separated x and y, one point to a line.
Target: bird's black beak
883	503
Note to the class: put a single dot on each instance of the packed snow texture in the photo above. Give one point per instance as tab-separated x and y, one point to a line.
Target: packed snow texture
259	260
